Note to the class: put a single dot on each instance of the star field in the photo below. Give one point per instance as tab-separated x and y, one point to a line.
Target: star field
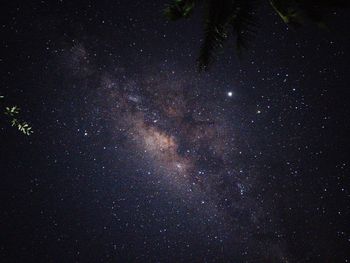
138	157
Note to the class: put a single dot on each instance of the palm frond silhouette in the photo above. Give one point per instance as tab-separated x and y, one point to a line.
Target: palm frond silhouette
239	19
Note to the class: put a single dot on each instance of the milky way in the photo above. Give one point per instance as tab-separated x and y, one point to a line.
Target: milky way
169	135
180	141
177	140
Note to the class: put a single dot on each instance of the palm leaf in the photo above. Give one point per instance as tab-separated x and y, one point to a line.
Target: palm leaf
295	12
217	20
179	9
221	16
288	10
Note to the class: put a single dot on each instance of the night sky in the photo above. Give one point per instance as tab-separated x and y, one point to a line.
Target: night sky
138	157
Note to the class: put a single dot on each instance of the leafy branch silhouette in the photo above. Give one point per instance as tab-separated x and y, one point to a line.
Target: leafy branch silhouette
13	113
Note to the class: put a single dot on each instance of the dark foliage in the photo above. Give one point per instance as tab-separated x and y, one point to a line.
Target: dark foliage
238	18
